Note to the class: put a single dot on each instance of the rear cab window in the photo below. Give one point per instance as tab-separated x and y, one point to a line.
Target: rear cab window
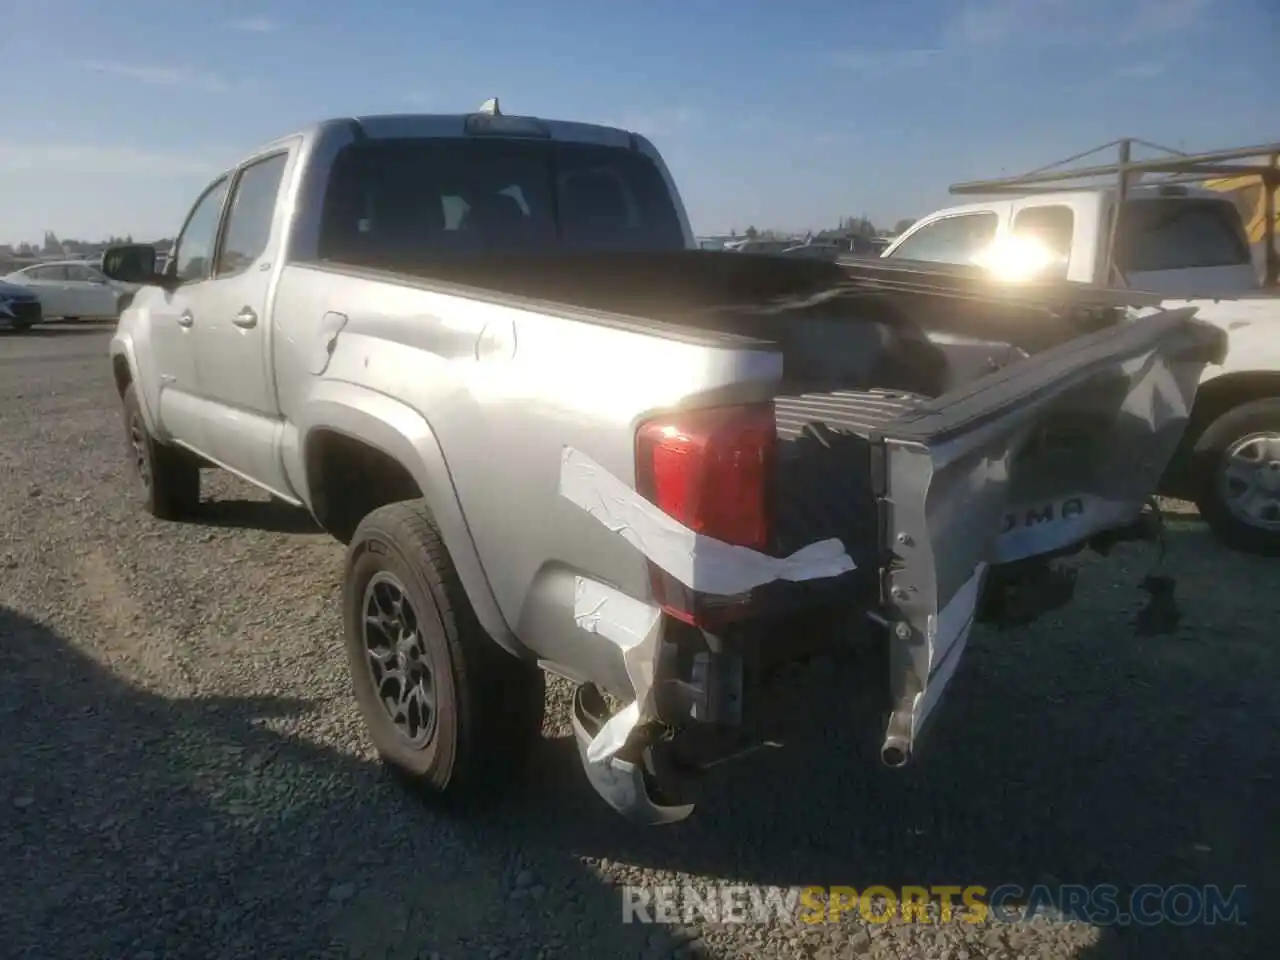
397	199
1180	233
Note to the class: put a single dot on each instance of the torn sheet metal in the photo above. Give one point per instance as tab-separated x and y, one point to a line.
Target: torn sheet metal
633	627
948	635
701	563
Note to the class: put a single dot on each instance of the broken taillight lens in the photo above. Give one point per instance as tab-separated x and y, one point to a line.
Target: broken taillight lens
712	471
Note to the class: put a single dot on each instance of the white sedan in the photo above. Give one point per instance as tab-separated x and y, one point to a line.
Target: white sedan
73	290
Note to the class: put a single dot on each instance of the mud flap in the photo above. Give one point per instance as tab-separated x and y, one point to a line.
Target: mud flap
1030	460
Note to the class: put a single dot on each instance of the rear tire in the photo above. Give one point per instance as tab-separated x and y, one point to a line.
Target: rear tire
169	477
449	711
1238	453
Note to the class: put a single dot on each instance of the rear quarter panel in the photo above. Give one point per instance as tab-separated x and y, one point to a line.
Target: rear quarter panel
502	390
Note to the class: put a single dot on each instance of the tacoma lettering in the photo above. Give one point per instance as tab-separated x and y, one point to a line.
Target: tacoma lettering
1043	513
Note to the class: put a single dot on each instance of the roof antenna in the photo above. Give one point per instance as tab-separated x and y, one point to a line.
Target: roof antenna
490	107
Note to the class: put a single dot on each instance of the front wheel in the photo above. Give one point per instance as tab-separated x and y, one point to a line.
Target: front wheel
448	710
169	477
1236	473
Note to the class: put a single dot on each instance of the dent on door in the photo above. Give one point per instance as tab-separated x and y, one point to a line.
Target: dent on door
326	340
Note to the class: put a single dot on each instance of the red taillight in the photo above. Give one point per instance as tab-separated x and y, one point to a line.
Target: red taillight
712	471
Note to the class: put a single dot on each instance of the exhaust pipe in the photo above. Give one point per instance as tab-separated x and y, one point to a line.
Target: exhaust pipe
895	752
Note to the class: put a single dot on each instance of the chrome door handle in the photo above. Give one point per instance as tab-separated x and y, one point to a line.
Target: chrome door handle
246	318
186	318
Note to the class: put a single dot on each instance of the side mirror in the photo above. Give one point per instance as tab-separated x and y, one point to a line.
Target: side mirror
131	263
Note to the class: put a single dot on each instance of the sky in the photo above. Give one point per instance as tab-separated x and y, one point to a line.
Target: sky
778	115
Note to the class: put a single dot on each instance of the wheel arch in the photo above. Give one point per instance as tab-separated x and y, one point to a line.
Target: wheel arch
1214	398
1228	391
391	445
124	371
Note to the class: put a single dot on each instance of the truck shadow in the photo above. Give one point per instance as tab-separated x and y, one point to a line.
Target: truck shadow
1072	753
136	823
273	516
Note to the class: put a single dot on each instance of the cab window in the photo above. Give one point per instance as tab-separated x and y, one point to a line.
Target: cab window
193	250
1052	225
253	208
956	239
1180	234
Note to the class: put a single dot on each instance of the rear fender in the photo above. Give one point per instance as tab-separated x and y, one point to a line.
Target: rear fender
402	433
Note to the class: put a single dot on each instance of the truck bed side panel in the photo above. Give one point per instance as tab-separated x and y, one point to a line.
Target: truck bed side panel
504	391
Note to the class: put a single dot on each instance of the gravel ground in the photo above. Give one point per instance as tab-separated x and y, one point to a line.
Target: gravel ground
183	772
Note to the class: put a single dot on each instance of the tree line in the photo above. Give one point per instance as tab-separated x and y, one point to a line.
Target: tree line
847	227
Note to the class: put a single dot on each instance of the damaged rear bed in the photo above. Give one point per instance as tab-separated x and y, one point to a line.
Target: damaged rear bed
936	441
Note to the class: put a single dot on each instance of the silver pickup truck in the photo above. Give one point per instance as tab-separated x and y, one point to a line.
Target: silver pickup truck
485	352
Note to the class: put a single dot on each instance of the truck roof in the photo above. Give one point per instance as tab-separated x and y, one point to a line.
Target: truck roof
1136	192
485	122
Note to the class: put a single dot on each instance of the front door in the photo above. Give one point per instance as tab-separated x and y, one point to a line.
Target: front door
233	329
173	319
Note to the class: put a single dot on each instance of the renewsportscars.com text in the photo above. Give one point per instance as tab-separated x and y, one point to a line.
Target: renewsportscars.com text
1102	905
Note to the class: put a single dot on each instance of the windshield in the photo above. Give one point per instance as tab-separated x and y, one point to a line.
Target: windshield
1180	233
402	199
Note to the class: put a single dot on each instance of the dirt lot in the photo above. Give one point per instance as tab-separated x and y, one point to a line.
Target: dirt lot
183	774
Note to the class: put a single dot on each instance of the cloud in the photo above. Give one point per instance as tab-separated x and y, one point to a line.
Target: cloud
93	159
1044	23
255	25
885	61
160	76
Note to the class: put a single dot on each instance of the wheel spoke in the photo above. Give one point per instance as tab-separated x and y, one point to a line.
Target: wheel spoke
1241	477
385	628
397	658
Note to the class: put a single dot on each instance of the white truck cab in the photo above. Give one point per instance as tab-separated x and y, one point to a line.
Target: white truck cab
1177	240
1170	237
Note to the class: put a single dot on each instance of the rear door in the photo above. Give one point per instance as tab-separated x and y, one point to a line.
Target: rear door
1184	247
233	328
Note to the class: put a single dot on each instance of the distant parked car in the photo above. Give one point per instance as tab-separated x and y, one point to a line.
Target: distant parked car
19	307
813	251
762	246
74	290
